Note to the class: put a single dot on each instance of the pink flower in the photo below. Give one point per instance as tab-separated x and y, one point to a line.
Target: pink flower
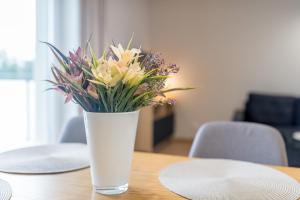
76	56
91	89
69	97
141	89
75	78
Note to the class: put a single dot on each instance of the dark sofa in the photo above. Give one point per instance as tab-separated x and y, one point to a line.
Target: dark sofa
281	112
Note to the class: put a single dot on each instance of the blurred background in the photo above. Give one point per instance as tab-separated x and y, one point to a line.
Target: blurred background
226	50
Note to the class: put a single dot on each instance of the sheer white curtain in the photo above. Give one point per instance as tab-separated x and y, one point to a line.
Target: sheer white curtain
67	24
58	22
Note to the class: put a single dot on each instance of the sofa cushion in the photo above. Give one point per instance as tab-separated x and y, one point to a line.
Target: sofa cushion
287	133
270	109
292	145
297	112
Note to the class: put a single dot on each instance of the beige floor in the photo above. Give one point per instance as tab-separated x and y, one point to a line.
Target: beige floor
174	147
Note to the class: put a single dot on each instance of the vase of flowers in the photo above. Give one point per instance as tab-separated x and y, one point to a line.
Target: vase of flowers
110	137
111	90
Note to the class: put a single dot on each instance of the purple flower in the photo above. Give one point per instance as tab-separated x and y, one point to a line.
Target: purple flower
69	97
153	61
76	56
91	89
170	101
173	68
77	78
141	89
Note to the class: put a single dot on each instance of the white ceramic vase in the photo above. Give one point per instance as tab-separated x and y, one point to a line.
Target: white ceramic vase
110	139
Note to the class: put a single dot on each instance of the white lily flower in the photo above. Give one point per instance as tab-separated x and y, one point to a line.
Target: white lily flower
134	74
117	50
125	56
108	72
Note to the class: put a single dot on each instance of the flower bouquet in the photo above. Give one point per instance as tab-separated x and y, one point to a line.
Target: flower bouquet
111	90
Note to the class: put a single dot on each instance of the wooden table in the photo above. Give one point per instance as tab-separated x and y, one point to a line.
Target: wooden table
143	184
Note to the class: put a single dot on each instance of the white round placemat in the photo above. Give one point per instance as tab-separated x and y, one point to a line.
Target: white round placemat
45	159
218	179
5	190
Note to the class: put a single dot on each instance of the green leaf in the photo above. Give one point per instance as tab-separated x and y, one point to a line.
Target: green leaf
87	103
54	75
109	99
176	89
52	82
87	71
118	95
101	91
157	77
57	50
95	61
125	100
96	82
130	41
88	42
48	89
104	54
122	94
79	101
60	61
149	73
112	93
74	85
136	99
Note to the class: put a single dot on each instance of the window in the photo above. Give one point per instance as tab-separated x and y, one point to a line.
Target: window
17	55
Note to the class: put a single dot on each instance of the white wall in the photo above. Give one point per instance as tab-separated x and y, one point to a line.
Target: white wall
122	18
226	49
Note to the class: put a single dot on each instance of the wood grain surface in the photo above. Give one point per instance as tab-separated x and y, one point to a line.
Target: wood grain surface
143	183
